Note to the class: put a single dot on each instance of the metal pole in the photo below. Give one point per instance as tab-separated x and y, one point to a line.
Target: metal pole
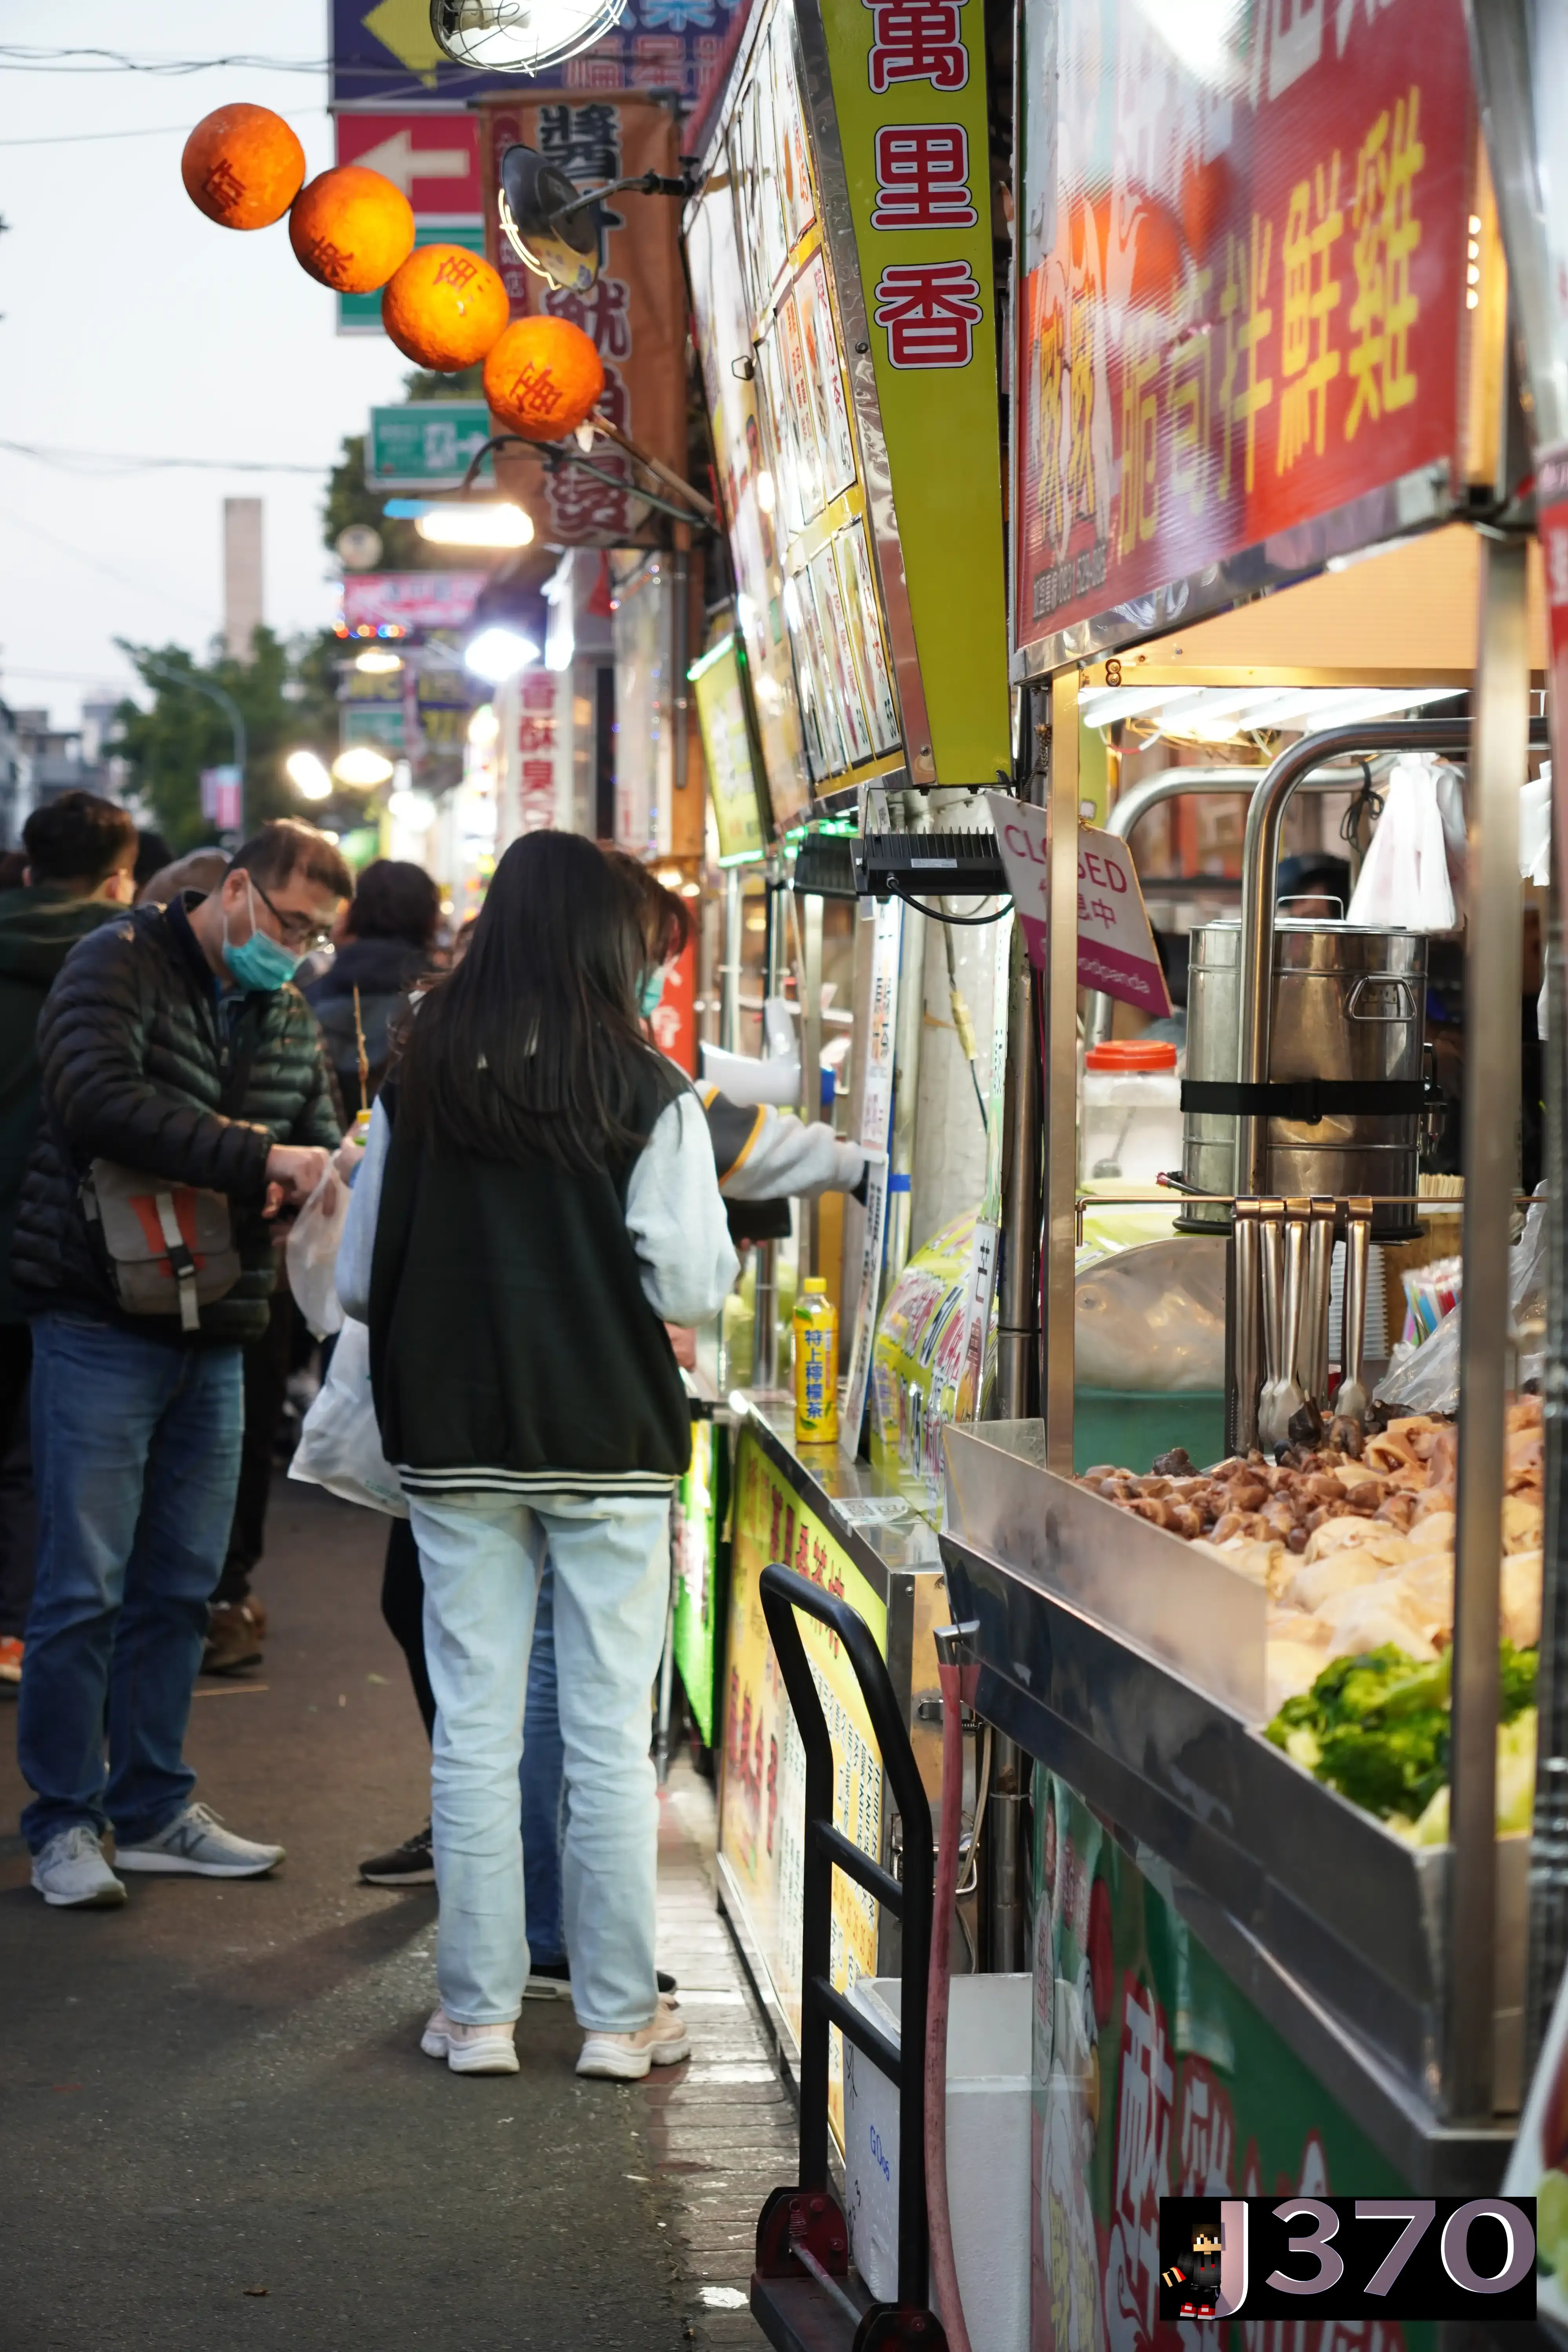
765	1355
1018	1317
1500	743
1061	1075
1174	783
1547	1942
810	907
729	962
909	1022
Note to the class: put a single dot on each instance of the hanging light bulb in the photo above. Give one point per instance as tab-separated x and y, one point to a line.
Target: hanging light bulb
519	36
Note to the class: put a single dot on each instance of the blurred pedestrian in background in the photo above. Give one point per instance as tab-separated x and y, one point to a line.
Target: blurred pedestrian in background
175	1059
78	852
387	939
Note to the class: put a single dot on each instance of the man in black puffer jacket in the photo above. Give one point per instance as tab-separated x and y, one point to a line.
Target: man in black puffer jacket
171	1045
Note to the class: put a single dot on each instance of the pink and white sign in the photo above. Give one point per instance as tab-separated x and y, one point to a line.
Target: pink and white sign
411	600
1115	945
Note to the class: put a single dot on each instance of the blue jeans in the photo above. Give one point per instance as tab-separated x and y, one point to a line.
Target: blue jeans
135	1459
483	1557
540	1777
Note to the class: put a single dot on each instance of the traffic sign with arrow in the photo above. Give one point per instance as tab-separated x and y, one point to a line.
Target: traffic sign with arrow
433	158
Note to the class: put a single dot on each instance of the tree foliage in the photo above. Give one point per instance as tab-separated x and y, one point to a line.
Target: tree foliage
285	697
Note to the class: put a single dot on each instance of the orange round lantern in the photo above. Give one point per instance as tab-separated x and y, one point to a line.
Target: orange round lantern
351	228
543	377
445	308
243	166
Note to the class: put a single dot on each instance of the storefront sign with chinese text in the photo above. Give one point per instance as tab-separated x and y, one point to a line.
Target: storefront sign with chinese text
909	90
635	311
1115	945
385	54
410	600
1242	305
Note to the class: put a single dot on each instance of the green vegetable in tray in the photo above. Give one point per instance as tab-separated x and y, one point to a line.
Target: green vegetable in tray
1375	1727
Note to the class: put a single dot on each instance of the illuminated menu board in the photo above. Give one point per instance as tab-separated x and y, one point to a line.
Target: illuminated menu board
793	482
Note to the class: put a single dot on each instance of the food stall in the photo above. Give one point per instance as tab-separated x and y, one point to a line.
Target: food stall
1271	1949
857	674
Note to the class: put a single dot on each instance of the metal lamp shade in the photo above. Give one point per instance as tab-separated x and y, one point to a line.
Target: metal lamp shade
518	36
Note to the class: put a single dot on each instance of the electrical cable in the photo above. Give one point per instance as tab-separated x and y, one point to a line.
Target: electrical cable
148	130
964	922
25	56
963	1022
125	461
95	563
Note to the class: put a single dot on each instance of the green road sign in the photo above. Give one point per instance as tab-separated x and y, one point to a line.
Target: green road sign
360	314
427	445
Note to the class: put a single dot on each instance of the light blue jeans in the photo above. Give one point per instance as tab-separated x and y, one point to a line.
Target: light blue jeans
481	1556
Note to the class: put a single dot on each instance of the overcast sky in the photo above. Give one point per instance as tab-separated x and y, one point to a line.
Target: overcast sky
132	324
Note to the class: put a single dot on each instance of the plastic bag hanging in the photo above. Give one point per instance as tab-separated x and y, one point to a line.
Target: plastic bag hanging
1404	882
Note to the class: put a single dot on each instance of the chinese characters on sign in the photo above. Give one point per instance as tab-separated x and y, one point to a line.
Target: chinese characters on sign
1241	302
1115	945
929	309
634	313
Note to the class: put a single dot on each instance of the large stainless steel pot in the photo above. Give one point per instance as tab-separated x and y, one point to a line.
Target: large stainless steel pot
1348	1013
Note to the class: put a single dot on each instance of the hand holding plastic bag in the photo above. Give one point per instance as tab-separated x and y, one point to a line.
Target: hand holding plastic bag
339	1444
312	1255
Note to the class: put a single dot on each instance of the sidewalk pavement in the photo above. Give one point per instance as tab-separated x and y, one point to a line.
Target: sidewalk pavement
218	2129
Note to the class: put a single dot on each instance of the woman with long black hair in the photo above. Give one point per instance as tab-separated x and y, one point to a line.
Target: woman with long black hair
538	1200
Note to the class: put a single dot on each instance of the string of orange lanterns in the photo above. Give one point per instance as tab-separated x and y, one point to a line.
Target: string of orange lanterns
352	229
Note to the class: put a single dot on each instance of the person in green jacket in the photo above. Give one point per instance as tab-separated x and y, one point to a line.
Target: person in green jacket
80	853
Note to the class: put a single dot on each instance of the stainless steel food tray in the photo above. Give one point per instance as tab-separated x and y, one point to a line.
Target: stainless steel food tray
1110	1654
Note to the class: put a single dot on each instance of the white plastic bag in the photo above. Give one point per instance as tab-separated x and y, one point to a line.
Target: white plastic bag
312	1256
1426	1379
339	1444
1404	882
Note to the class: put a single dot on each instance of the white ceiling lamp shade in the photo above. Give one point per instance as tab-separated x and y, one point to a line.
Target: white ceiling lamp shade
518	36
487	523
1220	714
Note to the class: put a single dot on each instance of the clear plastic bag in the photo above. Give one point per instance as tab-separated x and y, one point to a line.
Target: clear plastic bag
1426	1378
312	1255
1404	882
339	1444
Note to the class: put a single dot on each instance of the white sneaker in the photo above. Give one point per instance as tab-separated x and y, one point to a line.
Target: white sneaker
469	2049
197	1845
71	1874
626	2057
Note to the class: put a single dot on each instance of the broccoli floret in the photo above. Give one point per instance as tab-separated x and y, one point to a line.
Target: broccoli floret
1391	1768
1516	1671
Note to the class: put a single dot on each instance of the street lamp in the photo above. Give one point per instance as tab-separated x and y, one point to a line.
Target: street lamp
309	776
511	37
363	765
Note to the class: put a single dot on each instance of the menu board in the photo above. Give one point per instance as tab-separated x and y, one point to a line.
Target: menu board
719	683
773	347
749	492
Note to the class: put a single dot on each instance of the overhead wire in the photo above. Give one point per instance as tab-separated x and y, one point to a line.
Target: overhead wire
128	461
145	131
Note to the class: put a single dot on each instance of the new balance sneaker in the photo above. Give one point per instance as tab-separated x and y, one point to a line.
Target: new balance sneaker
71	1874
551	1980
626	2057
10	1662
412	1864
195	1845
469	2049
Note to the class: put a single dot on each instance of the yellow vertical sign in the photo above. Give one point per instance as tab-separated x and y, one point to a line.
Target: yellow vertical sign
908	87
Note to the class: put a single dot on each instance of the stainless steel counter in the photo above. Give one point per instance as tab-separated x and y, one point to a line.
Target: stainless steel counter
1329	1923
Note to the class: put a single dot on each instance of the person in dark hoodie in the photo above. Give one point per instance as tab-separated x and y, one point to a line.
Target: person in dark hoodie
386	950
80	853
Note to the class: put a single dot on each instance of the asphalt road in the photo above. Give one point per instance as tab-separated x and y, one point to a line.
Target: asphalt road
216	2128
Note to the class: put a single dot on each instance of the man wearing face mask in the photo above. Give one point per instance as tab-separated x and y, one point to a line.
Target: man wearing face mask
177	1060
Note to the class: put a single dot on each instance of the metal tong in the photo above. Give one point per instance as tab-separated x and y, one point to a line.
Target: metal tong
1351	1398
1312	1348
1282	1231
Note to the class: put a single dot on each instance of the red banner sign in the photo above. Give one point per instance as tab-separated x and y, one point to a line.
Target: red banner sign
1242	310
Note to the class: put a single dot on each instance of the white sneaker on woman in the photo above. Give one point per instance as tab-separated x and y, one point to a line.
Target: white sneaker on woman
626	2057
469	2049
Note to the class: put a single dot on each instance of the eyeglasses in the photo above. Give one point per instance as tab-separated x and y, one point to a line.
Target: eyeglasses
297	930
